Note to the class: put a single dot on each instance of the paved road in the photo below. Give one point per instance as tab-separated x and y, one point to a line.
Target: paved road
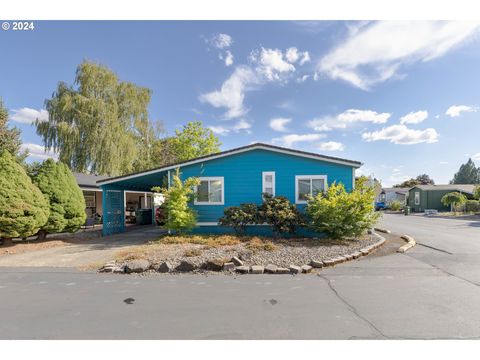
427	293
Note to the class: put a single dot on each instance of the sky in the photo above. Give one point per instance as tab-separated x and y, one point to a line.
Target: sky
401	97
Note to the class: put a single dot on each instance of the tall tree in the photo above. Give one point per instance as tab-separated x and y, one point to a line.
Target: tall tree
99	124
193	141
10	137
23	208
422	179
467	174
67	204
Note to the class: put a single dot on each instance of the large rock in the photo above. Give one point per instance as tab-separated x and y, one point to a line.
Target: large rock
186	266
294	269
137	266
271	269
214	265
242	269
237	261
281	270
228	266
165	267
307	269
256	269
316	263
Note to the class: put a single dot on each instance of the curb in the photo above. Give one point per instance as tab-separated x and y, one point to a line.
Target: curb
382	230
410	243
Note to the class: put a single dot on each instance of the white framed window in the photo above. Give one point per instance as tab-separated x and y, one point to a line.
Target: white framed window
417	197
210	191
268	182
306	185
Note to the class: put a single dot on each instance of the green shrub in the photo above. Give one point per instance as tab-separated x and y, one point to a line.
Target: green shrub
395	205
239	217
340	214
472	206
453	199
280	214
180	217
67	204
23	208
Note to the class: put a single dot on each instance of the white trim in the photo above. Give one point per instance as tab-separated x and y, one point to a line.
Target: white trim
310	177
90	189
138	192
264	173
353	178
213	157
207	223
415	198
211	178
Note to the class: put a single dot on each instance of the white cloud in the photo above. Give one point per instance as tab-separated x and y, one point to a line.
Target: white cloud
221	41
375	52
28	116
456	110
400	134
414	117
271	63
331	146
219	130
476	157
292	54
303	78
348	117
305	58
242	125
279	124
38	151
232	93
228	58
291	139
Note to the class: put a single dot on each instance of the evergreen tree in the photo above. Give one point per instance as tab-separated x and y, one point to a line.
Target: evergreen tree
100	123
467	174
10	137
23	208
67	204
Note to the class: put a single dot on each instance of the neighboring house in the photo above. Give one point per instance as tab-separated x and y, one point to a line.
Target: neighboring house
387	195
92	194
231	178
423	197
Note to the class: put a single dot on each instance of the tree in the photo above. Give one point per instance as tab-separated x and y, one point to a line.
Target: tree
194	141
67	204
23	208
454	199
476	192
341	214
180	217
10	137
99	124
422	179
467	174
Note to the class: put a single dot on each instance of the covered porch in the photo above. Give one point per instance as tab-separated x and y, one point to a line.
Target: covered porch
129	201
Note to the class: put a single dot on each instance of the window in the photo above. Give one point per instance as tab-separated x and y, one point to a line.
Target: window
417	198
306	185
268	182
210	191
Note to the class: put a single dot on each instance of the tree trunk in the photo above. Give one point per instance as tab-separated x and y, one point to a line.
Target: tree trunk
41	235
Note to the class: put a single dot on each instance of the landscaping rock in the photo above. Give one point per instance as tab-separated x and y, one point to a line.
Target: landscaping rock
214	265
165	267
364	251
242	269
186	266
137	266
119	269
282	271
256	269
349	257
357	254
245	255
237	261
228	266
316	264
340	259
270	268
295	269
329	262
307	269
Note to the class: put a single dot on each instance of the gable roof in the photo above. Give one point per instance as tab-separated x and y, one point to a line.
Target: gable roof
255	146
88	180
466	188
398	190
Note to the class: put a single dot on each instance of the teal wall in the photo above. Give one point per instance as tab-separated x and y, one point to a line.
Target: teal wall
243	177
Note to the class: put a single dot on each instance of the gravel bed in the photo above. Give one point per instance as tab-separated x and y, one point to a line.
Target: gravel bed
287	252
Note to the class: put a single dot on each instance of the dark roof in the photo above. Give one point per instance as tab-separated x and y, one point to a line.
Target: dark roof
242	148
88	180
466	188
396	189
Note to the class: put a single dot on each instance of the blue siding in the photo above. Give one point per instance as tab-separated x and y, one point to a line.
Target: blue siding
243	177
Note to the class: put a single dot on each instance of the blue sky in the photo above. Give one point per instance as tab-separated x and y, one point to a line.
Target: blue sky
400	97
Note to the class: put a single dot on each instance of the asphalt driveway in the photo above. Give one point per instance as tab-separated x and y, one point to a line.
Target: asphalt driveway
432	292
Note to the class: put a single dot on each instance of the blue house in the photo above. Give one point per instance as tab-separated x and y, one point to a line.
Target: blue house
229	178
